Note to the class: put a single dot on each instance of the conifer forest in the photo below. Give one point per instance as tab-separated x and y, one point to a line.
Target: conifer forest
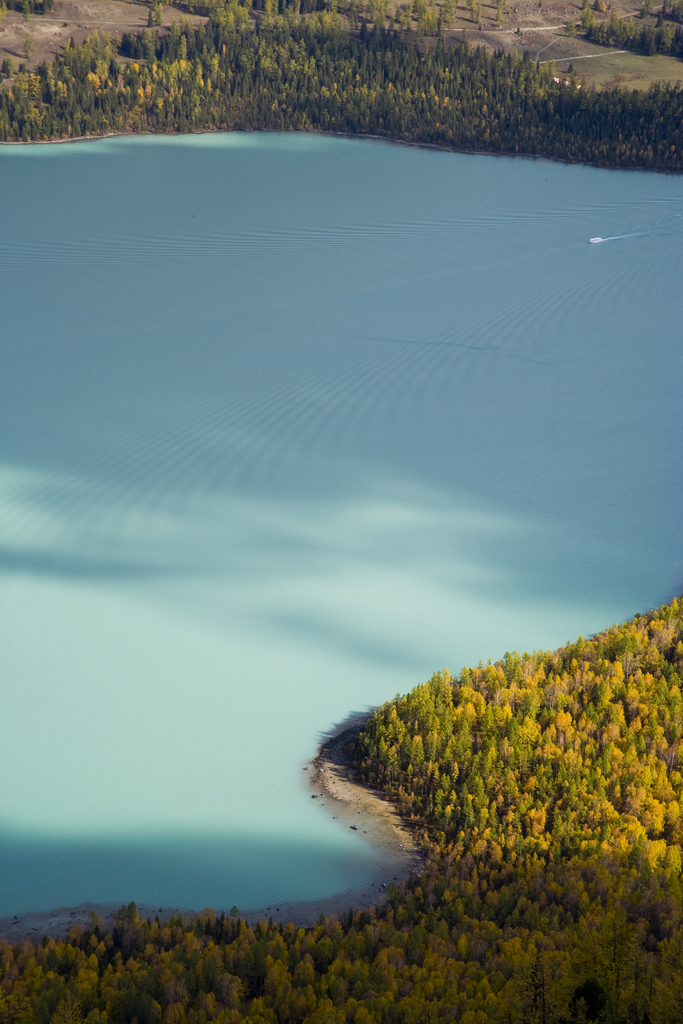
307	72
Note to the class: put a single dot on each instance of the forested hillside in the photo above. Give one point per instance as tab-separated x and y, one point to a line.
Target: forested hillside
548	789
552	754
306	72
626	33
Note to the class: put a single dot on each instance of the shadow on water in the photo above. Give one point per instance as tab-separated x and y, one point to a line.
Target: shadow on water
283	444
220	871
74	568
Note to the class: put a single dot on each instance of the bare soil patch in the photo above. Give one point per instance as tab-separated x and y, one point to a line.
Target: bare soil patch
540	29
525	25
75	19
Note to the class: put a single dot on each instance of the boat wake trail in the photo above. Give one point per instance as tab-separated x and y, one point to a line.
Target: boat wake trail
650	231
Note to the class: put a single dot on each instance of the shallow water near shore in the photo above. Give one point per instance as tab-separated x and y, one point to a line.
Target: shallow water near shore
287	423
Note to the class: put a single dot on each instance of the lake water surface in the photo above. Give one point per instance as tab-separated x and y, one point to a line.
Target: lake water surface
288	423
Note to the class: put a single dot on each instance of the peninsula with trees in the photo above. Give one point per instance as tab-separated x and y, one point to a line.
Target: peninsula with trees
547	789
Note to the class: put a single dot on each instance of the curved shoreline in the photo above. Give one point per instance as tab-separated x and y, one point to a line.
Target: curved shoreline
336	780
393	139
336	785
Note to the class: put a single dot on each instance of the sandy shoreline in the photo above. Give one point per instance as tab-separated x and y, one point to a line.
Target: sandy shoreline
338	786
335	784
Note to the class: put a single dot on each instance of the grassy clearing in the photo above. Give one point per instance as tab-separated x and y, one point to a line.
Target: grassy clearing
628	70
75	19
522	25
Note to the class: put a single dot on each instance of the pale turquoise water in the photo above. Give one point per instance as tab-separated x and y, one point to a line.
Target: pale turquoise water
288	423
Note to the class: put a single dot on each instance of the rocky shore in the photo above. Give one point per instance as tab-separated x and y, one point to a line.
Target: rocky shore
336	784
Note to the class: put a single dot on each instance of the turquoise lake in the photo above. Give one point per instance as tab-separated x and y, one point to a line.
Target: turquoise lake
288	423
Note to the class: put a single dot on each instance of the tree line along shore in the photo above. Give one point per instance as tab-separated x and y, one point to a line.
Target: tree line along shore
548	788
290	70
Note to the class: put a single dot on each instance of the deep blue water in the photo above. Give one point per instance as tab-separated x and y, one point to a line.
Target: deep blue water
288	423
